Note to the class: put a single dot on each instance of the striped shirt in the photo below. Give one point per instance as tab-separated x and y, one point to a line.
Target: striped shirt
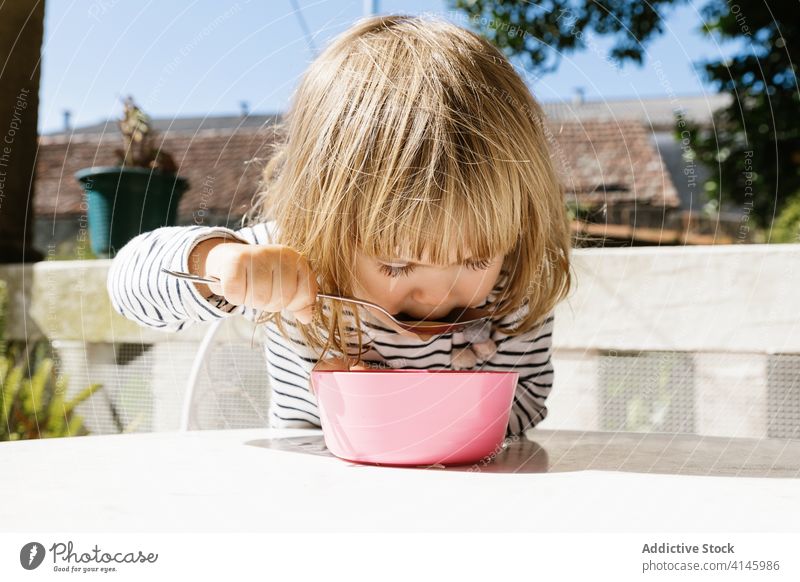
141	292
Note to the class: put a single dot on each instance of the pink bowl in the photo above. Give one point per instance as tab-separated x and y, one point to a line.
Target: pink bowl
414	417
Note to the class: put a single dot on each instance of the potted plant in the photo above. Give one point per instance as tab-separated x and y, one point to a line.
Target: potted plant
140	194
33	401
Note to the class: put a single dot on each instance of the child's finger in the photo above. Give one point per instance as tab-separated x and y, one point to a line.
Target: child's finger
305	297
216	288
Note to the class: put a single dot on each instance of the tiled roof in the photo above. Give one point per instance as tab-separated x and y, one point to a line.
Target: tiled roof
658	113
604	162
222	167
600	162
186	124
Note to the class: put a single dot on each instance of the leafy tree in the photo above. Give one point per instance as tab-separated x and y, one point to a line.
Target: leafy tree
539	32
754	144
786	228
753	148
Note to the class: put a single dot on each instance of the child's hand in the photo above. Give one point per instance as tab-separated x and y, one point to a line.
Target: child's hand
265	277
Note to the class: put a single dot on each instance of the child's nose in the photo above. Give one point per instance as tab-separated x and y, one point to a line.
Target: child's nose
432	296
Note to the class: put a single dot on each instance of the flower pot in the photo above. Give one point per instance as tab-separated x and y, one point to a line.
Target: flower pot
124	202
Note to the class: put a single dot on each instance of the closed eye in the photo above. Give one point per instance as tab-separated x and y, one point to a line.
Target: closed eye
396	271
392	271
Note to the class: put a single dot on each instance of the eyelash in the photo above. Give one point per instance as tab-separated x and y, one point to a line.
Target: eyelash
391	271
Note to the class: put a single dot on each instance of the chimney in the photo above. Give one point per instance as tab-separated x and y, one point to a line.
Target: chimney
579	96
67	124
244	108
370	8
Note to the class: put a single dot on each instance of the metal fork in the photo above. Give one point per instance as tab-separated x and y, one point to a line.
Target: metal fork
456	320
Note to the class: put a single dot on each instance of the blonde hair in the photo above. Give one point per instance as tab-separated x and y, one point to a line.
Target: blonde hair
413	133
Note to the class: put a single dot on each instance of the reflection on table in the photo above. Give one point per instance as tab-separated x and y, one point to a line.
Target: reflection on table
555	451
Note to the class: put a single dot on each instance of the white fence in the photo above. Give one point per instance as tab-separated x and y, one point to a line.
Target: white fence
702	340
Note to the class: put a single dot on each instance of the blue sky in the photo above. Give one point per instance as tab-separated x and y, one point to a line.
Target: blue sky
203	57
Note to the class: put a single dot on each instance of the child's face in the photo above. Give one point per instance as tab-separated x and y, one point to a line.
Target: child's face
421	290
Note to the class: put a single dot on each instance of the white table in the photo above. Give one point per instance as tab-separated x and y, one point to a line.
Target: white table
285	480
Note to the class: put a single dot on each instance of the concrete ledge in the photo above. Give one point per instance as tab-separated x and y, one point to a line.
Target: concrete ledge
737	298
67	300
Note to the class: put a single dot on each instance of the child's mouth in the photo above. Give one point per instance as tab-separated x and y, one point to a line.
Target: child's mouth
431	316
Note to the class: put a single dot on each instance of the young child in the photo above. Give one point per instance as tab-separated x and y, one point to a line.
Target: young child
411	170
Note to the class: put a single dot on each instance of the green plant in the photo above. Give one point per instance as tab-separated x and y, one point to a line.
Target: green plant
578	210
33	401
138	136
752	147
76	248
786	228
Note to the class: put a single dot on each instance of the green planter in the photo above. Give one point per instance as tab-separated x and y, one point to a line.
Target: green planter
125	202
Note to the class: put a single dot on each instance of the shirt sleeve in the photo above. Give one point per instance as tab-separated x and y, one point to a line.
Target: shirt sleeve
141	292
529	354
